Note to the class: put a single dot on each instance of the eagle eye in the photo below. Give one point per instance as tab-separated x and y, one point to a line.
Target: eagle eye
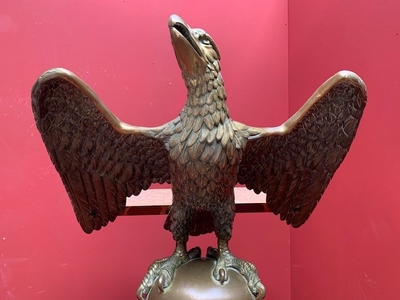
205	40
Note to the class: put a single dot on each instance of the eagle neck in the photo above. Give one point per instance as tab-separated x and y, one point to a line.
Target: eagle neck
206	95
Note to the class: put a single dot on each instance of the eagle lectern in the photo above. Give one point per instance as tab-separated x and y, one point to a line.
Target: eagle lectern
203	153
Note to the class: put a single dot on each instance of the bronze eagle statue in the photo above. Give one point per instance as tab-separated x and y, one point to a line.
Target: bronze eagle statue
203	153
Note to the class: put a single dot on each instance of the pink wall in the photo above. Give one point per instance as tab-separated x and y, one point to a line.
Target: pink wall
122	50
349	249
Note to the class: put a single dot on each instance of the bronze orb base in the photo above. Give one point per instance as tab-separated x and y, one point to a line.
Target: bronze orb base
193	281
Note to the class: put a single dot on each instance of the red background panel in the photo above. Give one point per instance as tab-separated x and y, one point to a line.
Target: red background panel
349	249
122	50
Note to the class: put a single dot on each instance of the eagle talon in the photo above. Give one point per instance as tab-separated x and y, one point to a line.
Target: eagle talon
212	253
194	253
260	291
161	282
222	276
220	271
226	260
162	271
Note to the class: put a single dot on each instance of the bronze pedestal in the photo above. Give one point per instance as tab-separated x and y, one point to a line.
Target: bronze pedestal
194	280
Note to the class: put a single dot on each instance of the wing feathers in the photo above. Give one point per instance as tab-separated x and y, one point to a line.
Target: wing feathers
100	159
293	163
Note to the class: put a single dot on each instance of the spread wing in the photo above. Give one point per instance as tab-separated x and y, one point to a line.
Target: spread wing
293	163
100	159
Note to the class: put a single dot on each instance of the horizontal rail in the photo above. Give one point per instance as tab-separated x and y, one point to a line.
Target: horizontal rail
158	202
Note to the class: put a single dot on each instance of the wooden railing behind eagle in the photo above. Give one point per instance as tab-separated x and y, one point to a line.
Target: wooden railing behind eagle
158	202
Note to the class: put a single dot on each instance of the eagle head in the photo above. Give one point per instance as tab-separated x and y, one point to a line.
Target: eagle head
195	50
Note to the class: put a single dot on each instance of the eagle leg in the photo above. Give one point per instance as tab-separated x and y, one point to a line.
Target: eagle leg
225	260
162	271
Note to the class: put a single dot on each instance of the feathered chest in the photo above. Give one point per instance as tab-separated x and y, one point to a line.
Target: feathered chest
205	133
204	141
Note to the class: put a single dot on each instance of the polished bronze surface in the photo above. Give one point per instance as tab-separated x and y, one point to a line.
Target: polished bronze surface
203	153
193	280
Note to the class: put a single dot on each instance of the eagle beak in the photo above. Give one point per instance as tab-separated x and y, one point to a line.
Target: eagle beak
187	50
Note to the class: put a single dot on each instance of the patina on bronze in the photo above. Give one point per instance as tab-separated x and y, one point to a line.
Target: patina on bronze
203	153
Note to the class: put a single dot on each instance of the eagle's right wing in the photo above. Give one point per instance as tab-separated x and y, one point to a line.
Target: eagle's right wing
100	159
293	163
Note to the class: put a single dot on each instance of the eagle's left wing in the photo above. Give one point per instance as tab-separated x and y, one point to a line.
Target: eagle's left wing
293	163
100	159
